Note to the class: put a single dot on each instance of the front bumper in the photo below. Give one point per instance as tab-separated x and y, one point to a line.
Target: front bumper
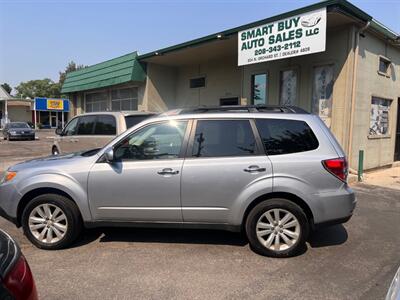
22	136
7	216
9	199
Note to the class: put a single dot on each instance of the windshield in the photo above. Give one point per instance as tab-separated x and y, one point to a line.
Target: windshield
18	125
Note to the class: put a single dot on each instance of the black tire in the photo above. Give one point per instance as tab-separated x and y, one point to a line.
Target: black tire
257	212
71	212
9	138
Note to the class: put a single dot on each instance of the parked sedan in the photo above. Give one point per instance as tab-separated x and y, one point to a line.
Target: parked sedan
16	280
18	130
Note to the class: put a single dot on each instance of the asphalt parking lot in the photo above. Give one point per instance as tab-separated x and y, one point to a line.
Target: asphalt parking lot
356	260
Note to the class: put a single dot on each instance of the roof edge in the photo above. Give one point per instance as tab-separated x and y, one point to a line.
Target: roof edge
330	4
73	73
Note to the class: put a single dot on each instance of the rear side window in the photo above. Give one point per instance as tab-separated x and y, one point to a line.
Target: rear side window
105	125
286	136
86	125
133	120
216	138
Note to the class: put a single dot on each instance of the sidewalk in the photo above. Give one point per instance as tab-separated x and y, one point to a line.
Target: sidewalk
389	178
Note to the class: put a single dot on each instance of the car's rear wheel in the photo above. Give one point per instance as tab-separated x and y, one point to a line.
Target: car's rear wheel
277	228
51	221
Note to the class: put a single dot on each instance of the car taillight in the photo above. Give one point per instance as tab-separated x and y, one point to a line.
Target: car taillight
19	281
337	167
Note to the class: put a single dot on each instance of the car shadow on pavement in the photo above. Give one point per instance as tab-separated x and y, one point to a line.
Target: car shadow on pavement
162	235
323	237
181	236
328	236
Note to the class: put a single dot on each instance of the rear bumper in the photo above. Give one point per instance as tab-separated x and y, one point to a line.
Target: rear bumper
334	207
332	222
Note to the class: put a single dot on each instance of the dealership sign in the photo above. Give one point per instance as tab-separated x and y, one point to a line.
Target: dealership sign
294	36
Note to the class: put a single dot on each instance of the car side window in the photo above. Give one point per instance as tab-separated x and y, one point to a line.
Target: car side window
217	138
71	127
86	125
281	136
156	141
105	125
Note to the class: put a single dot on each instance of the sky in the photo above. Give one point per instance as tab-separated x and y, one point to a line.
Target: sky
39	38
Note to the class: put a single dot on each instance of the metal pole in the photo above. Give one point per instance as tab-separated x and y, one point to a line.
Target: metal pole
5	112
34	114
62	119
360	164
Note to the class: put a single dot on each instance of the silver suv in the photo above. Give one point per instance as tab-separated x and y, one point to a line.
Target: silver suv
273	172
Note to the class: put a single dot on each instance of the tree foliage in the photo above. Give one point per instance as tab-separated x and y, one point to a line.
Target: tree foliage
38	88
6	87
72	66
45	87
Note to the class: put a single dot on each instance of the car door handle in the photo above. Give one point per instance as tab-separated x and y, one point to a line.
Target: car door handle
254	169
168	171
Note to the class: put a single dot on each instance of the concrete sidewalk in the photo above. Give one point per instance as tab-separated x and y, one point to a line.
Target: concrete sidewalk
389	178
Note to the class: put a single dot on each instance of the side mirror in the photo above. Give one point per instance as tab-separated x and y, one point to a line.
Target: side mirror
109	155
59	131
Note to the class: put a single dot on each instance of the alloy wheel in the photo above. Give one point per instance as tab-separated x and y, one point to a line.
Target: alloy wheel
278	229
48	223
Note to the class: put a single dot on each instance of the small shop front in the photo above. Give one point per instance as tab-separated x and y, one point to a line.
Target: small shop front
50	113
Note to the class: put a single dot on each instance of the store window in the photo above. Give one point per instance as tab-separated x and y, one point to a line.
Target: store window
322	92
288	87
259	89
229	101
124	99
96	101
379	120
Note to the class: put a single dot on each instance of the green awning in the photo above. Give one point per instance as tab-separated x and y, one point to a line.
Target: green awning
119	70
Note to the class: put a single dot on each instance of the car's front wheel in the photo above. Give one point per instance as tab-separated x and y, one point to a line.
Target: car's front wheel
51	221
277	228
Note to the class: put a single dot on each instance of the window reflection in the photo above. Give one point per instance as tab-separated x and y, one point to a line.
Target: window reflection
259	89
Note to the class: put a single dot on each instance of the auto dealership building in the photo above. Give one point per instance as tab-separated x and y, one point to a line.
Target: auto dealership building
329	58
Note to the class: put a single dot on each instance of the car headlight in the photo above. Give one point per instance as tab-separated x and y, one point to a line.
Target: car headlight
7	176
13	132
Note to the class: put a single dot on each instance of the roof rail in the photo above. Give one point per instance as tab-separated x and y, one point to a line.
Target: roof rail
240	108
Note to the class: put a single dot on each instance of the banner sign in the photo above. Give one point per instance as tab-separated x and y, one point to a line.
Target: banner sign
51	104
294	36
55	104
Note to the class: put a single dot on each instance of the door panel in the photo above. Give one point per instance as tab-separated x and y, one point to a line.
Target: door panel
66	139
211	186
135	191
143	183
224	160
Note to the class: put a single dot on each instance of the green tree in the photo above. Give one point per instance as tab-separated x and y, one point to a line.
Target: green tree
72	66
38	88
6	87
